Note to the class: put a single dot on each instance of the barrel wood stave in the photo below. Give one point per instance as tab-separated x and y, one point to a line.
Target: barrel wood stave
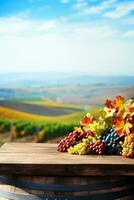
43	165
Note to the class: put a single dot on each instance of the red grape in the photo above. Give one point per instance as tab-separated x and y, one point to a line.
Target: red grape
96	148
72	139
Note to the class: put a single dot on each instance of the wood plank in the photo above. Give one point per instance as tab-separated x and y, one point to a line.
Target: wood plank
44	159
20	144
49	150
64	158
66	170
28	147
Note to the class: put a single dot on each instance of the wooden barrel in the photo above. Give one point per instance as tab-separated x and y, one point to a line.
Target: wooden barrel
39	172
66	188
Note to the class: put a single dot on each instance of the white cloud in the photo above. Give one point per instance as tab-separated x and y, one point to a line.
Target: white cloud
53	52
98	9
51	45
129	20
64	1
110	8
21	27
129	34
80	5
48	25
121	10
97	33
15	25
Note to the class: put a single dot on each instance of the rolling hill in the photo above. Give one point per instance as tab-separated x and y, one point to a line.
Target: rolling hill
21	121
12	114
40	109
91	95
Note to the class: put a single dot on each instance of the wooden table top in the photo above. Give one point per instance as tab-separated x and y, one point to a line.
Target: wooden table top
44	159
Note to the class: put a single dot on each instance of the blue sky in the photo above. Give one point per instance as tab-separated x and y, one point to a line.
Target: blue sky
91	36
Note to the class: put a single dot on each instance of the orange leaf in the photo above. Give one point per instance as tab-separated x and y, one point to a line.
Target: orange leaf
122	127
85	121
120	133
109	104
119	102
131	109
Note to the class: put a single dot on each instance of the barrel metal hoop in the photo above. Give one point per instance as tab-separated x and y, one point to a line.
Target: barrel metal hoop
63	187
104	196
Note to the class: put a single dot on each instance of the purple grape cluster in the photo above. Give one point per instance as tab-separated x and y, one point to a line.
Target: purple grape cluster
72	139
112	141
96	148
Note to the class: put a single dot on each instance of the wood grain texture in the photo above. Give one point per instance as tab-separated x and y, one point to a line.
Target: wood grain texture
44	159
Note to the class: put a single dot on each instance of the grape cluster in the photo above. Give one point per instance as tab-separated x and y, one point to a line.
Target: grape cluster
79	148
96	148
128	146
112	141
109	131
72	139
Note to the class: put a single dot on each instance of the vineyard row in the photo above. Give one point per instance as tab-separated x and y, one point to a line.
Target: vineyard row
44	131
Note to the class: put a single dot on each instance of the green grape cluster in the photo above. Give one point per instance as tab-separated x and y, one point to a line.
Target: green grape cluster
81	148
78	149
98	127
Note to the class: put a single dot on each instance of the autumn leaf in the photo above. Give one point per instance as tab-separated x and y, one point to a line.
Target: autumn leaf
87	120
131	109
119	103
122	127
109	103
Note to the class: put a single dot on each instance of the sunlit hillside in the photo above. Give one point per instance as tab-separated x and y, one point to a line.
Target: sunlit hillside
56	104
11	114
